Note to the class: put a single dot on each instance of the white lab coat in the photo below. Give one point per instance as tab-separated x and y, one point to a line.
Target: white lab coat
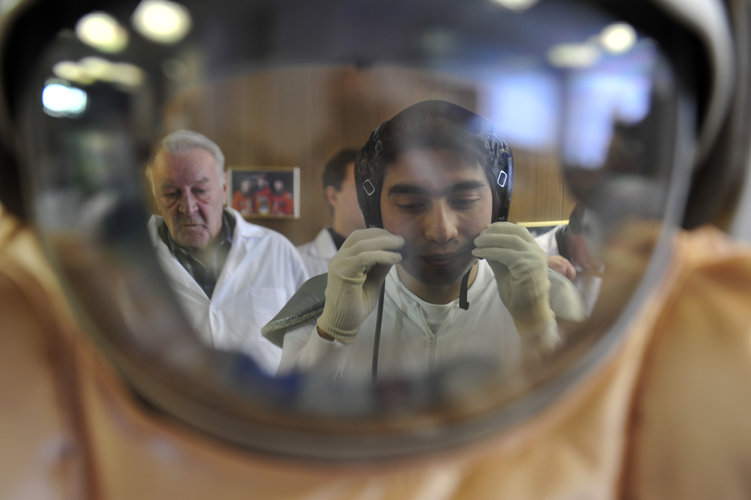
408	347
262	271
317	253
588	285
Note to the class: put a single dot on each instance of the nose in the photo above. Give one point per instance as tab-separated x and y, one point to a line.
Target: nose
188	203
441	224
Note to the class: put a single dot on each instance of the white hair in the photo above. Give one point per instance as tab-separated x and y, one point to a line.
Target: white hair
183	140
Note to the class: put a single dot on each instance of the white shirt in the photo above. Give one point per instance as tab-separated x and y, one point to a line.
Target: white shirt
317	253
408	345
262	271
587	284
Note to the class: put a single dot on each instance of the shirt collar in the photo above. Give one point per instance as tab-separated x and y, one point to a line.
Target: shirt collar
224	237
337	238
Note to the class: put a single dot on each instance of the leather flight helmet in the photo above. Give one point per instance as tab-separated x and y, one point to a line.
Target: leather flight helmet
434	124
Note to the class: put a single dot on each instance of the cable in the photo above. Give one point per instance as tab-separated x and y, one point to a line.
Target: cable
463	302
377	336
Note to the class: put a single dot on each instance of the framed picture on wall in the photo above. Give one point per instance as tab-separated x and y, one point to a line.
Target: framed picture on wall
264	192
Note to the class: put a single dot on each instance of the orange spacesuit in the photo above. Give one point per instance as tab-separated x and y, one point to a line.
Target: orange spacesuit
664	417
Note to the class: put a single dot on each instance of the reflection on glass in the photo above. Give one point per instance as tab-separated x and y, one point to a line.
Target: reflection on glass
229	276
61	99
102	31
161	21
272	89
459	282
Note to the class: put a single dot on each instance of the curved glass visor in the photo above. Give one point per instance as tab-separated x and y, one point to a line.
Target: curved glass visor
586	99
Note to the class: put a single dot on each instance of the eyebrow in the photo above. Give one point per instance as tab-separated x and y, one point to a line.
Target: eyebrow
454	188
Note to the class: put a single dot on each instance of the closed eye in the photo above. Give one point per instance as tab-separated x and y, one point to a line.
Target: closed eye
410	207
464	203
409	203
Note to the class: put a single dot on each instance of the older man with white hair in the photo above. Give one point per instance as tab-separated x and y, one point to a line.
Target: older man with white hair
229	275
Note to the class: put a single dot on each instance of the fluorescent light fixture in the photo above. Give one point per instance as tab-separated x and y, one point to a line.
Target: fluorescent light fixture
63	100
161	21
72	72
91	69
97	67
516	5
127	74
102	31
574	55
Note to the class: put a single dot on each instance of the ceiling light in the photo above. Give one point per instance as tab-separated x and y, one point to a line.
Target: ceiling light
618	38
62	100
102	31
516	5
161	21
72	72
573	55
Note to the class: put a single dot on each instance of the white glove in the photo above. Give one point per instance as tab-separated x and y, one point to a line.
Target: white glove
521	273
356	273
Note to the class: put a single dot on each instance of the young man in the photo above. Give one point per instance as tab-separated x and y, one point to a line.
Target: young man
434	185
229	275
341	197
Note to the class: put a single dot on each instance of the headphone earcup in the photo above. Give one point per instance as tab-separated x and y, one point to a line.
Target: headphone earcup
368	196
503	186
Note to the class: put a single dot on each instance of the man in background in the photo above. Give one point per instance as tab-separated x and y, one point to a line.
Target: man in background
341	197
230	276
571	251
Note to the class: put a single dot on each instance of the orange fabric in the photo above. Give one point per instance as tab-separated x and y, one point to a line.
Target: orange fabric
663	418
41	453
690	425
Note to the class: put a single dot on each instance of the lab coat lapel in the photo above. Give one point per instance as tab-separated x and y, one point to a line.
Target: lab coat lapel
324	245
172	266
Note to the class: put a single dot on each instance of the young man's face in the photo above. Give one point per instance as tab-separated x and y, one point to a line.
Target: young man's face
190	195
438	203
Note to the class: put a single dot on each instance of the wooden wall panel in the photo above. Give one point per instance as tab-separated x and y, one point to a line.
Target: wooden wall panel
539	192
301	116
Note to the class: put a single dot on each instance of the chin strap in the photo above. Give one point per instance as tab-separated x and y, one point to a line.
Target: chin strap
463	302
377	336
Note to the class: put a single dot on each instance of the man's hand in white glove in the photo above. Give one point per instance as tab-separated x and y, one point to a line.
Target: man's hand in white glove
356	274
521	273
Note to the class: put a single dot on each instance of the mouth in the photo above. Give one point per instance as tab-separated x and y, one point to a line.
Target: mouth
441	259
190	226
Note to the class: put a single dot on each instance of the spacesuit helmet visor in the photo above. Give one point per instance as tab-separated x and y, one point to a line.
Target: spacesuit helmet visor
612	103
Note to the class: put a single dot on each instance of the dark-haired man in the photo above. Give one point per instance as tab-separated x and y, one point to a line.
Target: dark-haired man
341	197
571	250
434	183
